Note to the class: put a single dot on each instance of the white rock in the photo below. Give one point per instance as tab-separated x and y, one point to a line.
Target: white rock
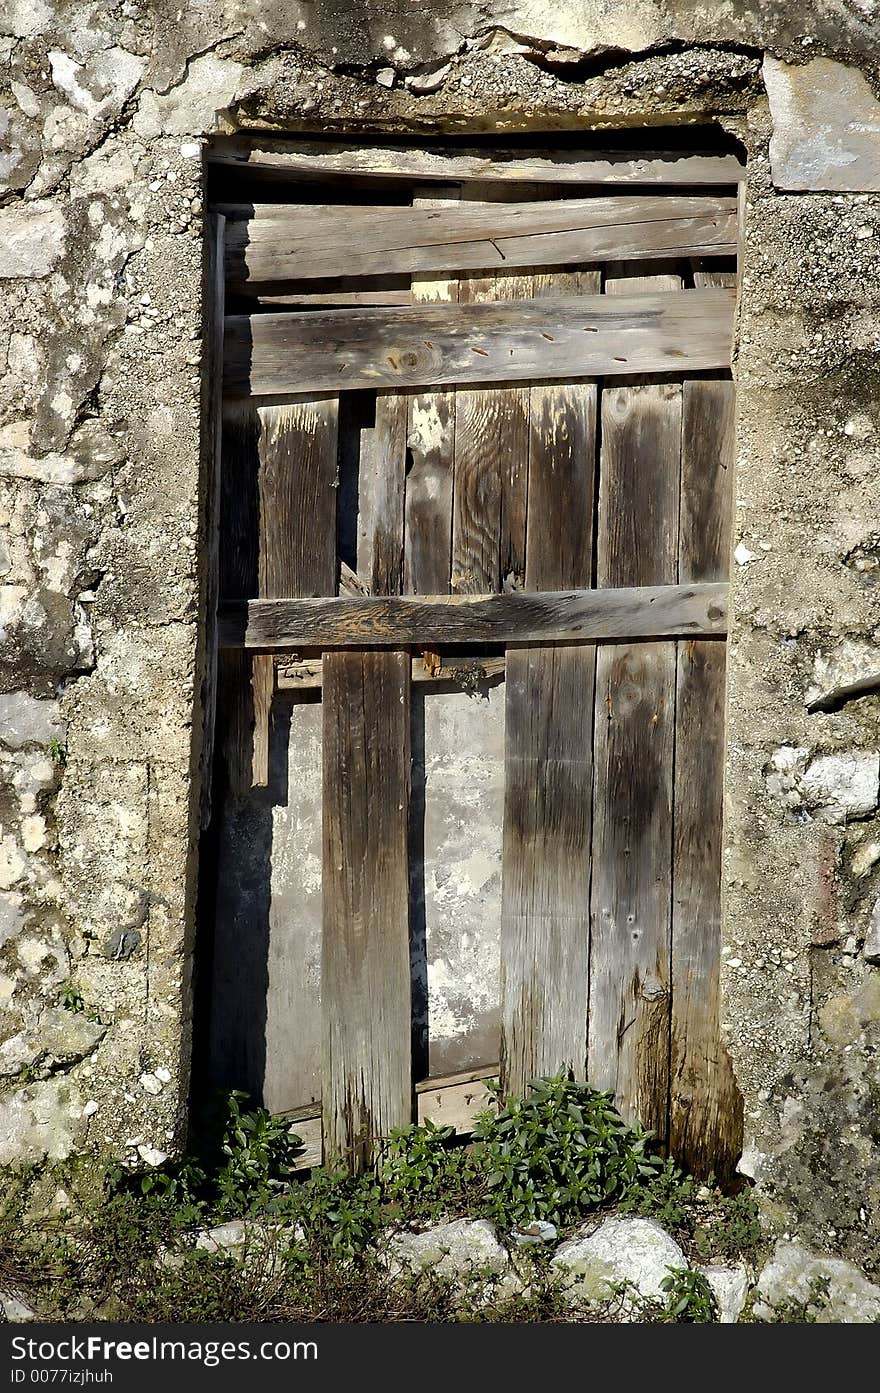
865	858
152	1156
385	77
848	670
16	1310
825	124
742	556
31	239
25	720
842	786
538	1231
90	1108
452	1250
635	1251
190	150
222	1237
730	1287
163	1074
871	949
150	1084
421	83
790	1277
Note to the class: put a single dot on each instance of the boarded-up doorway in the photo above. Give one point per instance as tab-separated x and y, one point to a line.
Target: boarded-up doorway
475	478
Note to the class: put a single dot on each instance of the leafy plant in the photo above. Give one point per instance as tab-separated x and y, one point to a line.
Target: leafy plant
57	752
689	1298
560	1150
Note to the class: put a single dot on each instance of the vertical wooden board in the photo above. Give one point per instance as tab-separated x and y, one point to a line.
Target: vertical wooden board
637	543
548	766
238	568
490	462
297	482
546	863
706	1111
431	444
382	481
366	991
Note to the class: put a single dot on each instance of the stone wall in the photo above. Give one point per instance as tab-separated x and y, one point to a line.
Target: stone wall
104	115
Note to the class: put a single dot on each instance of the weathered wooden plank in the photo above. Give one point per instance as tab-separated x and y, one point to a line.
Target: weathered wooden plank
546	875
491	464
365	959
381	489
279	242
428	538
297	484
639	612
455	1102
548	764
582	336
238	566
307	674
213	292
297	526
328	160
706	1113
637	543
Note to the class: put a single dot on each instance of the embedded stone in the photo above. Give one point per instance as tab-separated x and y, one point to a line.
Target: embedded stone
453	1250
31	239
832	1290
16	1309
826	123
90	454
538	1231
842	786
871	948
40	1122
730	1286
635	1252
24	720
850	670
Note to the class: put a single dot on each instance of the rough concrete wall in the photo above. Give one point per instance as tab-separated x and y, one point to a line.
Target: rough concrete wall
100	255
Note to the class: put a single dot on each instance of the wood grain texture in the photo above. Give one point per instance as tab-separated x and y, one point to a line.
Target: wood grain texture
706	1111
278	243
296	551
546	876
214	296
491	463
452	1103
307	673
381	489
580	336
319	159
639	612
366	993
637	543
431	444
548	765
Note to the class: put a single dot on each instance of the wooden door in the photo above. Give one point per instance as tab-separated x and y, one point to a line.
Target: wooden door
477	437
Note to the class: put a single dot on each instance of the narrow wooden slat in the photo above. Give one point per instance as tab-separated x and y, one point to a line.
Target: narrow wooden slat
431	442
330	159
637	543
381	487
307	674
584	336
238	566
296	551
365	958
638	612
213	291
706	1112
280	242
548	764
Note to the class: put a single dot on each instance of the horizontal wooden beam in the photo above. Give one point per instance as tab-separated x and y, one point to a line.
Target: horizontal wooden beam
275	243
331	159
439	344
306	675
586	616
